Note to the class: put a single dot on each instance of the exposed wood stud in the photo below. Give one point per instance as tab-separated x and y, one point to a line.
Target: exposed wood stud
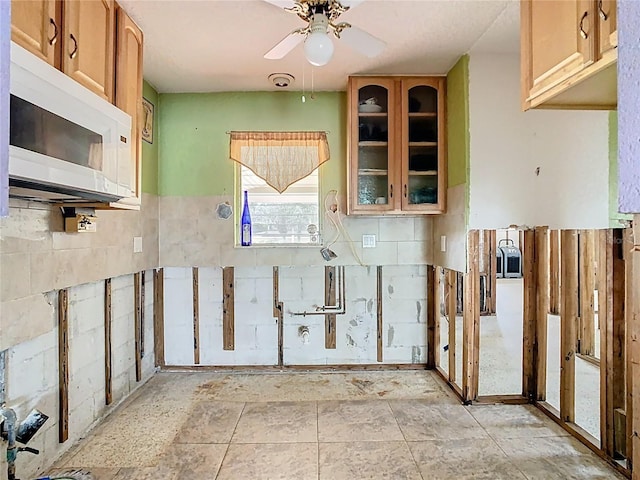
437	305
471	319
158	317
143	281
63	365
529	275
137	321
379	312
633	319
587	296
108	389
542	309
330	299
628	337
196	315
568	321
431	317
452	288
228	321
554	272
494	271
278	314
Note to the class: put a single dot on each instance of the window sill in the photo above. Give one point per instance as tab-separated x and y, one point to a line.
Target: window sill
279	245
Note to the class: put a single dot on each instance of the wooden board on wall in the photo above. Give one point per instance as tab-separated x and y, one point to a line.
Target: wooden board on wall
158	317
554	272
471	319
330	299
587	287
529	276
63	365
542	309
196	315
228	309
108	388
137	302
379	313
432	343
452	289
568	321
277	313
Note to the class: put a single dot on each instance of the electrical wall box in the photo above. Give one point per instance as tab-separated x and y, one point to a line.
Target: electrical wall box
79	220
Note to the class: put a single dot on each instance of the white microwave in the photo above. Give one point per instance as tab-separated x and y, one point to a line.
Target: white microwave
66	143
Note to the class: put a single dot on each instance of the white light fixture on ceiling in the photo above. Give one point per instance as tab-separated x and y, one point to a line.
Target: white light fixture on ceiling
318	47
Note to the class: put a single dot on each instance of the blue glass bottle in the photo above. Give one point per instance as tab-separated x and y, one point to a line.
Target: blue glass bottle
245	223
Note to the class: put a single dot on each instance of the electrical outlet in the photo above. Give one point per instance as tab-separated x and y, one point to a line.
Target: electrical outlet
137	244
368	241
443	243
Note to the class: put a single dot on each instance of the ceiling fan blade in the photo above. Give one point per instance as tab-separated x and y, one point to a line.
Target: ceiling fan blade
362	41
349	3
281	3
285	45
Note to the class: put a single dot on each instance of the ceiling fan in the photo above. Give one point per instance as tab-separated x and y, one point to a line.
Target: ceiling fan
322	16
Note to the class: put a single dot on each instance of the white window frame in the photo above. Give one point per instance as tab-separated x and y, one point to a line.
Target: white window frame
239	203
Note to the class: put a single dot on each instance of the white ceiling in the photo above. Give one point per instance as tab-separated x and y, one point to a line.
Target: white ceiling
218	45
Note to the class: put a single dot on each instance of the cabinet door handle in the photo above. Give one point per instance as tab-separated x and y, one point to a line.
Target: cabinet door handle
603	14
75	47
391	191
53	39
405	190
583	33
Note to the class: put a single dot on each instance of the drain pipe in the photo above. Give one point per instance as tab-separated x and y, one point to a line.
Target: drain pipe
10	421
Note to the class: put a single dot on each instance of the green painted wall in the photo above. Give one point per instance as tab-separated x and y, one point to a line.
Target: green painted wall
194	145
150	150
458	122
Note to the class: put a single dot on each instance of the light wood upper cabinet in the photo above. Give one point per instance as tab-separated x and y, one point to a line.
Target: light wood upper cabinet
563	44
396	145
128	97
608	21
35	25
88	44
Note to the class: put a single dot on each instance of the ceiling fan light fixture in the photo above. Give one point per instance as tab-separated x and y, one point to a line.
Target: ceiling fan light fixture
318	47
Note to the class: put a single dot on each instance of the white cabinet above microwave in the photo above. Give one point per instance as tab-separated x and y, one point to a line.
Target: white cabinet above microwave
66	143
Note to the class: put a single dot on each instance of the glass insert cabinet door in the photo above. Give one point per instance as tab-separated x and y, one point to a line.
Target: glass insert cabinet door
372	144
422	144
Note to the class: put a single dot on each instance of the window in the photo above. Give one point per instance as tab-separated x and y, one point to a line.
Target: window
290	217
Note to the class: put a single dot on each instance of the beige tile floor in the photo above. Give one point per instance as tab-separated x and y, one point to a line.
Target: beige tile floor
333	426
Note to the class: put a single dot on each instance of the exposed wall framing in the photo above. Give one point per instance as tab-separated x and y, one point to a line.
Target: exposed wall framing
63	365
633	319
451	296
278	314
471	319
568	321
228	309
137	322
587	283
108	381
379	313
330	299
542	307
196	315
433	340
158	316
530	316
554	272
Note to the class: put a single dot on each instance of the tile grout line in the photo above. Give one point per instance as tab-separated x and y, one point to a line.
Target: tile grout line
511	460
406	443
244	404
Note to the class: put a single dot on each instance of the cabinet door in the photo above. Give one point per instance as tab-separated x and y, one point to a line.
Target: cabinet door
608	26
423	149
129	89
372	149
88	44
562	35
35	25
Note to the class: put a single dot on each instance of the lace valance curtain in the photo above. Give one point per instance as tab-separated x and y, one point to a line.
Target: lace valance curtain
279	158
